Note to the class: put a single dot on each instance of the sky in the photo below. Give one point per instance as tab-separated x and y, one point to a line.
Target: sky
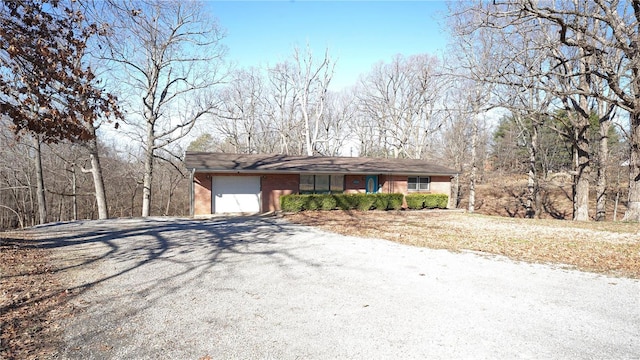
358	34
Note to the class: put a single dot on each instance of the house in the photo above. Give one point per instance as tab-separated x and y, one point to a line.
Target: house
242	183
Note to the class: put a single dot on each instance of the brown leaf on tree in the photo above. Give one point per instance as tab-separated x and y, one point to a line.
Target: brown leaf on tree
46	89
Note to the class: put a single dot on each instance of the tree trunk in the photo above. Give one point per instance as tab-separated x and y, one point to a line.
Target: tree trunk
603	157
29	210
40	189
168	207
453	202
133	199
581	145
74	195
307	133
474	166
98	180
633	208
148	172
96	172
581	178
172	189
532	182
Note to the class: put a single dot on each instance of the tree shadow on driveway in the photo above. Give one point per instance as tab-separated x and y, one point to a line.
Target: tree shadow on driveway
152	258
263	288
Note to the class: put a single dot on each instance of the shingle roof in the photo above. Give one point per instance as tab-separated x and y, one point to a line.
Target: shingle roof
244	163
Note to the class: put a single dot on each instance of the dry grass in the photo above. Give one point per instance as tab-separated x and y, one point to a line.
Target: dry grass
32	302
604	247
507	195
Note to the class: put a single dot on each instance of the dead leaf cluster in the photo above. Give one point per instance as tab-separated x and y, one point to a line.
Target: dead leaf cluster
32	302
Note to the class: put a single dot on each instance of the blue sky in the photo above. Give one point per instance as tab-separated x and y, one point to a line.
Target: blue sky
357	33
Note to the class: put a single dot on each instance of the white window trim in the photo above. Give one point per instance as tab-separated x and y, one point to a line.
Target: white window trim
418	183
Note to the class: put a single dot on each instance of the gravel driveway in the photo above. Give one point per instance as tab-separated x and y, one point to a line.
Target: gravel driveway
264	288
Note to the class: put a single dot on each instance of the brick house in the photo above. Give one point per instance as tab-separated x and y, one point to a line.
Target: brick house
241	183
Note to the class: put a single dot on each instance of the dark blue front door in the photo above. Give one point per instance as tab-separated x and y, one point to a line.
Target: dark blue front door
371	183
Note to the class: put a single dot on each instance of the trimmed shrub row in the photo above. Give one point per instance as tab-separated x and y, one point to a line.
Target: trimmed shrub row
362	202
427	201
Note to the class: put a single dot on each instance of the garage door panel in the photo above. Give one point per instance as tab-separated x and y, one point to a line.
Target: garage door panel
236	194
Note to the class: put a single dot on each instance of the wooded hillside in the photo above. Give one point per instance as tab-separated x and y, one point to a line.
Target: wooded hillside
535	103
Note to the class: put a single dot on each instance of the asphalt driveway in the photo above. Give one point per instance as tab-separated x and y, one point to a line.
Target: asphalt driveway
264	288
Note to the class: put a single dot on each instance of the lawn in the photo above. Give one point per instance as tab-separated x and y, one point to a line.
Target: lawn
611	248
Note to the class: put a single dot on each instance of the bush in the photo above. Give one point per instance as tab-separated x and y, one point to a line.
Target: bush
292	203
328	202
362	202
387	201
427	201
345	202
415	201
436	201
395	201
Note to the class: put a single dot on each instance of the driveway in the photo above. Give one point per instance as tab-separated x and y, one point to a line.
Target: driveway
264	288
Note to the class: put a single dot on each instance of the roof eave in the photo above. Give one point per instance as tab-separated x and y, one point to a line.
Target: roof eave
320	172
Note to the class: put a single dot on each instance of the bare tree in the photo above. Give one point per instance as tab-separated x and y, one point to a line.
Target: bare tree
15	180
167	69
40	189
584	46
367	135
605	115
518	90
71	196
455	141
284	110
96	173
477	56
340	112
594	30
475	116
280	109
239	119
401	98
311	79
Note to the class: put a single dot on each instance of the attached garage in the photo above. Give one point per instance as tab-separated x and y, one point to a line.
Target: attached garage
235	194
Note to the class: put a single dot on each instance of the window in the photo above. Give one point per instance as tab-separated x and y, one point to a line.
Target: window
306	184
337	183
321	184
418	183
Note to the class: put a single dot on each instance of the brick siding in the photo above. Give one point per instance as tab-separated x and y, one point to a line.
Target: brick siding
202	194
275	185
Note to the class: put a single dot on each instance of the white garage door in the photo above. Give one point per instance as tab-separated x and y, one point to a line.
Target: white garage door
236	194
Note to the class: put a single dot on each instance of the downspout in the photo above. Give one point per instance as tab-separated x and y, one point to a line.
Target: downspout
192	193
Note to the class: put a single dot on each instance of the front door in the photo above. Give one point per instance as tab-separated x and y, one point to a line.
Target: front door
371	184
